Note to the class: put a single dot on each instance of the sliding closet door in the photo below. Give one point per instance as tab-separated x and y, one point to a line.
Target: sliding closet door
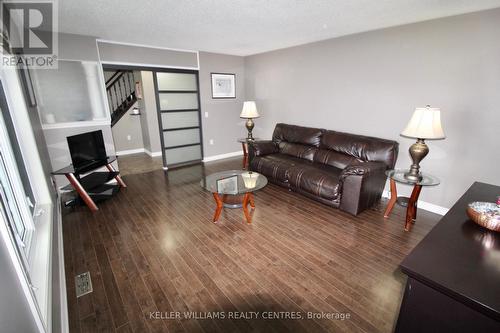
178	104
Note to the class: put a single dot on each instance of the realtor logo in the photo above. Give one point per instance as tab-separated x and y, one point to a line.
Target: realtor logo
29	33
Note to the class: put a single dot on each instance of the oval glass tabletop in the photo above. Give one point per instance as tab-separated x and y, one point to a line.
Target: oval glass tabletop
399	176
234	182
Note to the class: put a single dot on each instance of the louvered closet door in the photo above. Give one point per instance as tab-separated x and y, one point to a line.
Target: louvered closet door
179	117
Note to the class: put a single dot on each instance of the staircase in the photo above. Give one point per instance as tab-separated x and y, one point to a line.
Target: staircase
120	89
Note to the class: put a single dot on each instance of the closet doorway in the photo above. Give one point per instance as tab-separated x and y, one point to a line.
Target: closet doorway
179	116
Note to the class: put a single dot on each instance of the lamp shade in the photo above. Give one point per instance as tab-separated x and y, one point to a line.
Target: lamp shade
425	124
249	110
250	179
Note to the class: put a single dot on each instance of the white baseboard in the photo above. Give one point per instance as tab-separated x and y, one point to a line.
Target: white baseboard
129	152
430	207
222	156
137	151
152	154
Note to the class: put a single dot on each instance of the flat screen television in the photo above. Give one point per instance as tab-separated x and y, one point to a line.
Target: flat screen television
87	151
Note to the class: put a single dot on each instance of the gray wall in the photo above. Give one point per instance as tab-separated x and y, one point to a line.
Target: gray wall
72	46
120	53
128	125
143	118
370	83
223	124
149	114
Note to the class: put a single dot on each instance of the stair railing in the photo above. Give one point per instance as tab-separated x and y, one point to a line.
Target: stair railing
120	90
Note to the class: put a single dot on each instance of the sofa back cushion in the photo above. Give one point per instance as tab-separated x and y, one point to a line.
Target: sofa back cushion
297	134
349	148
297	141
297	150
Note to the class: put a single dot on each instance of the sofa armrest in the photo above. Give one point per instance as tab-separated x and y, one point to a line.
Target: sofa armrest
361	186
261	148
363	169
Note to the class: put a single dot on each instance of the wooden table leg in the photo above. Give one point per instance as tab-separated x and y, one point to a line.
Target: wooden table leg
219	203
245	154
119	179
81	192
411	211
250	200
245	207
392	200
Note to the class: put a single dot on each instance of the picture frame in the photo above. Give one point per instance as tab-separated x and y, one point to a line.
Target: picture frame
228	185
223	85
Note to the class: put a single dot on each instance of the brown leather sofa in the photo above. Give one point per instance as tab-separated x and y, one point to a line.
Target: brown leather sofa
342	170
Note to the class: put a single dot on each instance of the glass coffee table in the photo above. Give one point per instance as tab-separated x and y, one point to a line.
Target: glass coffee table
398	176
234	189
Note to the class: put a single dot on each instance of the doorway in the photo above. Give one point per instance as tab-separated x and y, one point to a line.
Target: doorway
159	123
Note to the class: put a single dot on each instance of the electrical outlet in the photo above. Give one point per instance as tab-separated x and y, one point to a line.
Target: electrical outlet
129	137
206	114
211	141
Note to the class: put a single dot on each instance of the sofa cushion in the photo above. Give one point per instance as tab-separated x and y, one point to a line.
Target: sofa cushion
260	148
297	134
364	148
317	179
297	150
274	166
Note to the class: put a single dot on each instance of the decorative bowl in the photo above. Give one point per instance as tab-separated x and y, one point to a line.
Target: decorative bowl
486	214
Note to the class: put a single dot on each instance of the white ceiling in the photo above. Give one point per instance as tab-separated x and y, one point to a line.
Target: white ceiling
248	27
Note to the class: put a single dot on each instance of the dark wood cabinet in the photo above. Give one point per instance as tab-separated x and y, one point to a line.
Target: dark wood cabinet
454	274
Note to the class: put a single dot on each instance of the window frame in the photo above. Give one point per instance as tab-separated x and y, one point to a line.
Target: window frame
14	181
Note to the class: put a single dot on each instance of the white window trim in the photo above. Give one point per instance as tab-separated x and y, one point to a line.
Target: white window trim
35	278
17	106
23	279
18	192
37	281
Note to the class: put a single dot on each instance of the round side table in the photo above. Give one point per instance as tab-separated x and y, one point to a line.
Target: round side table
397	176
244	147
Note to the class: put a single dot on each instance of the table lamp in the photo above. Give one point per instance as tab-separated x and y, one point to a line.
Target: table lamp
424	124
249	112
250	179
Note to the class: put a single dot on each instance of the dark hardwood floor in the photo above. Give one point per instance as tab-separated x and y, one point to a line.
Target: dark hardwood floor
153	250
139	163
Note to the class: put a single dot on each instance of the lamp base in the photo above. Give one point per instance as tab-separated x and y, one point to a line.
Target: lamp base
412	177
249	125
418	151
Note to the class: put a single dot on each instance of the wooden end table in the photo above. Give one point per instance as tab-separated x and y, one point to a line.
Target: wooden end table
397	176
244	147
234	189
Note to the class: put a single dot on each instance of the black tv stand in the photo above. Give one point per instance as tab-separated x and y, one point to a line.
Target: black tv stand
92	186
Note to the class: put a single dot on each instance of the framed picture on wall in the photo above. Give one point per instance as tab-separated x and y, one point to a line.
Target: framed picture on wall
223	85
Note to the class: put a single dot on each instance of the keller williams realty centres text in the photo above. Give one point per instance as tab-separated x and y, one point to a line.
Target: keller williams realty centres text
266	315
